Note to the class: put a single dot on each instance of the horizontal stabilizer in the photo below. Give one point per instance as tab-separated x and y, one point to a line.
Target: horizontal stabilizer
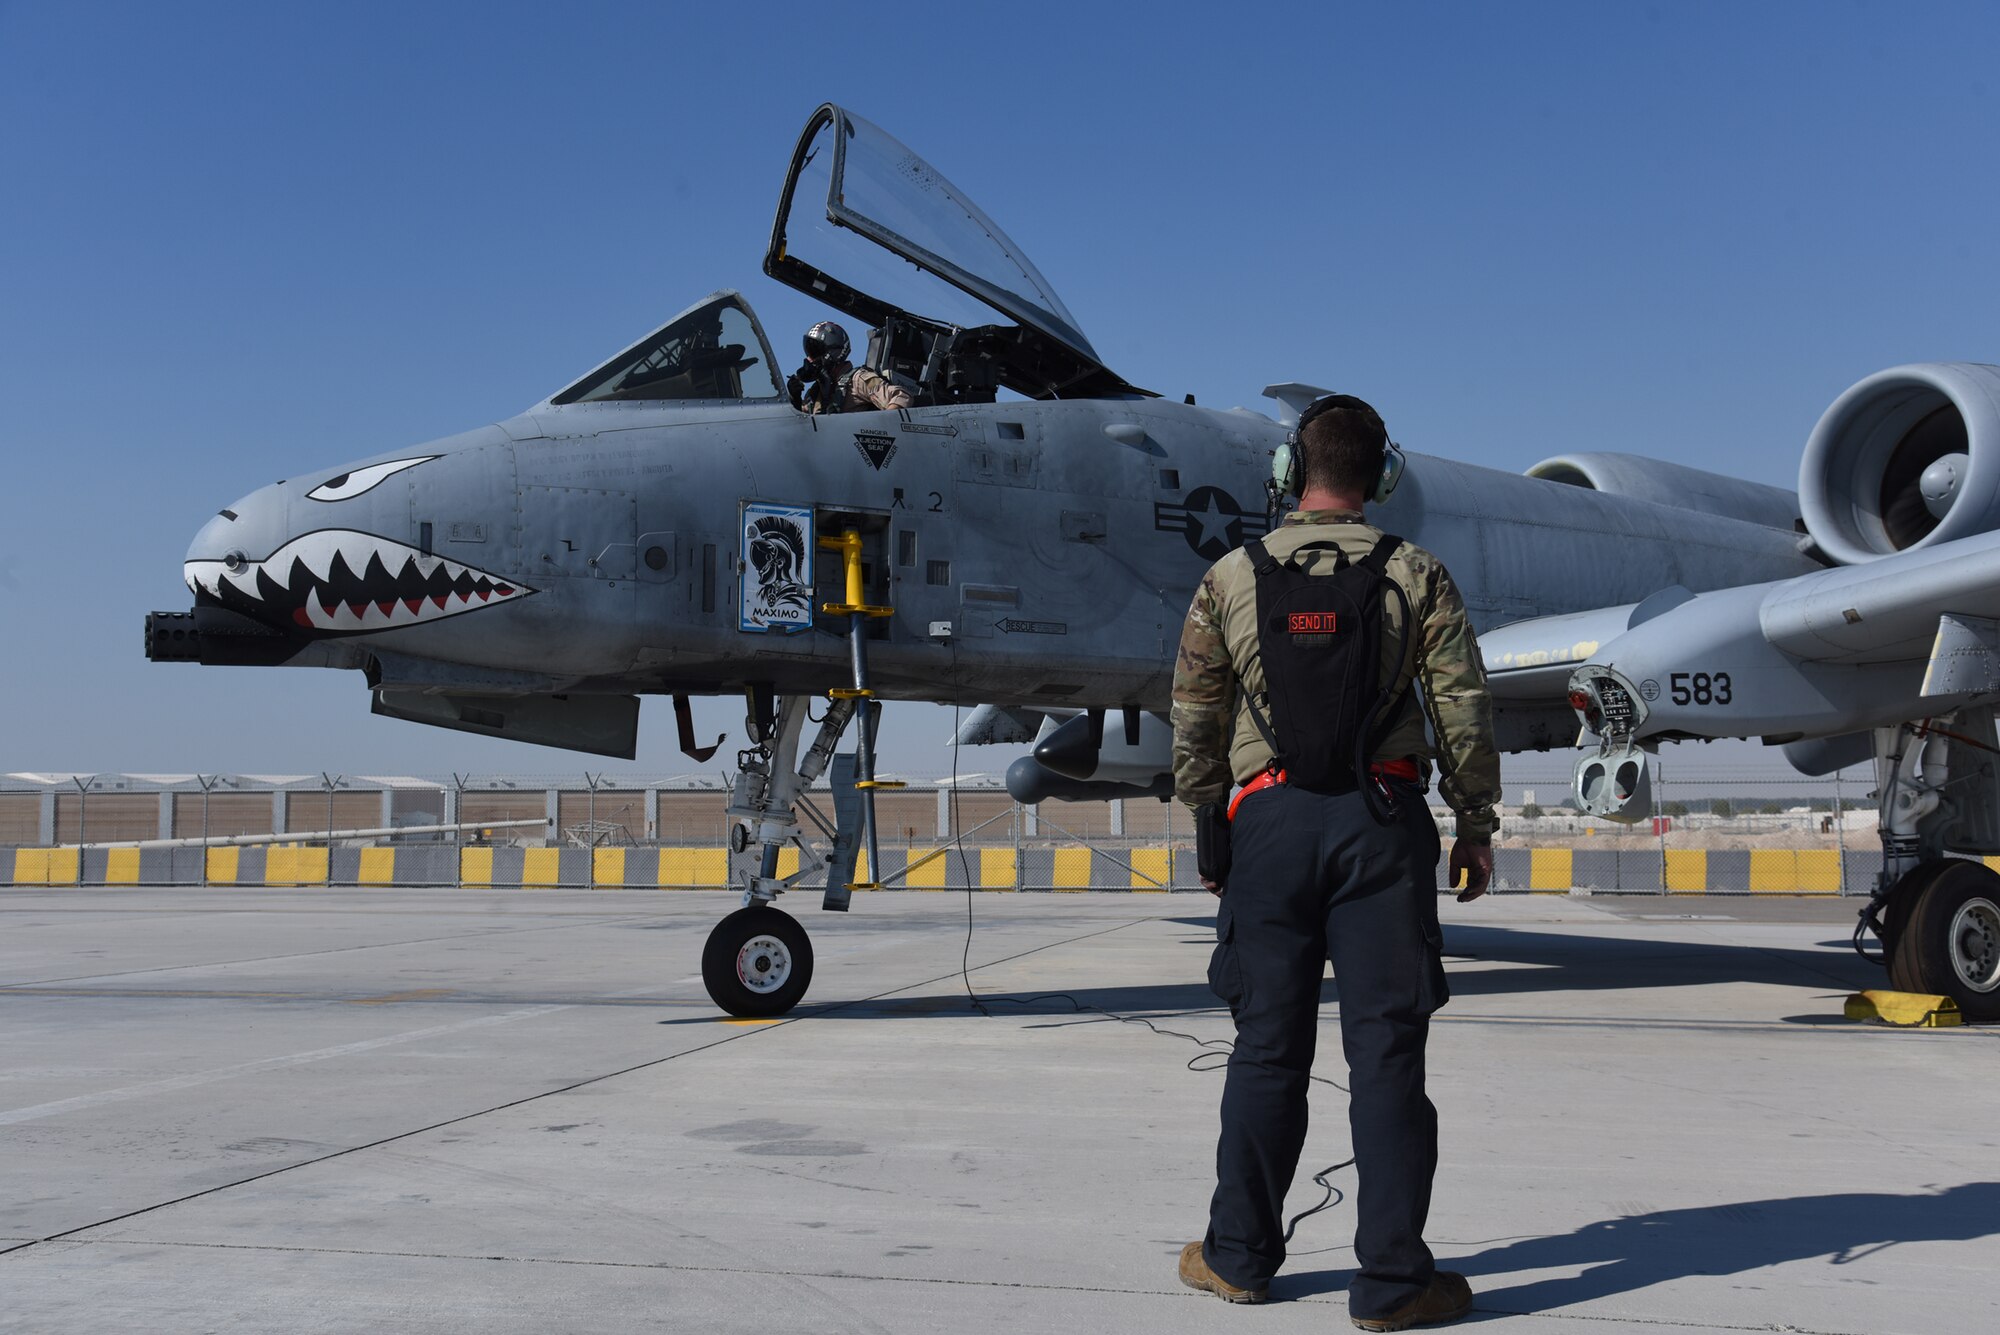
1293	399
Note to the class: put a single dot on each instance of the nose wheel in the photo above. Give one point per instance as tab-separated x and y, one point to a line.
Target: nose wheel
758	962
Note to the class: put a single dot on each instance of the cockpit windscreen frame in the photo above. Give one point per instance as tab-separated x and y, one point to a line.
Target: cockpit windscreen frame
690	357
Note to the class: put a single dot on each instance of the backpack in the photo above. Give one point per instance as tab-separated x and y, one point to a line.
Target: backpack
1319	638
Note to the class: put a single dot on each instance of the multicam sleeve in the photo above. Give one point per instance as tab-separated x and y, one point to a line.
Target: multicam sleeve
879	390
1461	710
1204	702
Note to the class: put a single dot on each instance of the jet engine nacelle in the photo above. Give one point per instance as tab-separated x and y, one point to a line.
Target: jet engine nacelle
1907	458
1665	483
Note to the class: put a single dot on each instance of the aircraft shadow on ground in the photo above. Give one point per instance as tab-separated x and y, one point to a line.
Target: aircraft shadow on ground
1480	961
1635	1252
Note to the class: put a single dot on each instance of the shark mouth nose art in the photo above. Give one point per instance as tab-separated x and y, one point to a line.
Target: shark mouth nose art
343	582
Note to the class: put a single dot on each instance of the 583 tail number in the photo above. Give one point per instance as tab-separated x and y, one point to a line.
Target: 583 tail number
1700	688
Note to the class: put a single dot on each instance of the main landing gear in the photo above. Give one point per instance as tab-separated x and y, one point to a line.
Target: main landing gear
1938	916
759	961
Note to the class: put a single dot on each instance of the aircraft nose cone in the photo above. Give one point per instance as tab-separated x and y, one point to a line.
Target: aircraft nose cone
232	542
218	540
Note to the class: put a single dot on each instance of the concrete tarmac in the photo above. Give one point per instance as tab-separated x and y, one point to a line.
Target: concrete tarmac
442	1111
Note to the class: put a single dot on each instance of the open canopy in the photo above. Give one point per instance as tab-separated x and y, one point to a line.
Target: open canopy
877	188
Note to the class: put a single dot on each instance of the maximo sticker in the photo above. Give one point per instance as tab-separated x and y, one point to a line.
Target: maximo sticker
777	568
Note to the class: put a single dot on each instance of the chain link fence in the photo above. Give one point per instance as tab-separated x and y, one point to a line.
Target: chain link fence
1714	834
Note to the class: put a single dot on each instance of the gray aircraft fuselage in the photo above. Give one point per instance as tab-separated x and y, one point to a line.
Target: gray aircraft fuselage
671	524
1061	541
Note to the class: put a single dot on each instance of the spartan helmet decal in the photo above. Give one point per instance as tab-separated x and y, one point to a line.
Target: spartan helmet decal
775	546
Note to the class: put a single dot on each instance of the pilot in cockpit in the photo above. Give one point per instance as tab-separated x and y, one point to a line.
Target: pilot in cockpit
829	383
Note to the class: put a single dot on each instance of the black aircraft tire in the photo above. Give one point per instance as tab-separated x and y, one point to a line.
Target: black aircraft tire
1902	900
758	962
1947	937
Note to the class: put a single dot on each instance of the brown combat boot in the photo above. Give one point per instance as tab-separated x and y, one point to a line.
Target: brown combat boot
1448	1298
1196	1275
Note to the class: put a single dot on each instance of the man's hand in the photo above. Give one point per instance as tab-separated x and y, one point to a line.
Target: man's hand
1210	886
804	384
1474	864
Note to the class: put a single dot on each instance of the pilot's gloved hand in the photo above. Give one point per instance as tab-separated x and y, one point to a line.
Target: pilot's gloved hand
795	385
1474	864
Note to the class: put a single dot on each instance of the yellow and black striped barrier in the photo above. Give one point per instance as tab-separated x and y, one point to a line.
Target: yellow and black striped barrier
918	868
985	867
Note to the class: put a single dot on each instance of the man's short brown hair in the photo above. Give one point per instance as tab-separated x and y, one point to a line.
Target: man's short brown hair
1341	445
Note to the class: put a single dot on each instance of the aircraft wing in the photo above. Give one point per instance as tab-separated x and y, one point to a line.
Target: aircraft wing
1828	654
1888	609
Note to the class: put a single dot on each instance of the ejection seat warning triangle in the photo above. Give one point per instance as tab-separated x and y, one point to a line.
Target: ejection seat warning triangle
877	447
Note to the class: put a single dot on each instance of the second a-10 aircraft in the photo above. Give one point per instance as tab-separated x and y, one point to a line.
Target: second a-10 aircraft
1027	535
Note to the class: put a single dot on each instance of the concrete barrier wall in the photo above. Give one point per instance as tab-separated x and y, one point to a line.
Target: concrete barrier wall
1007	867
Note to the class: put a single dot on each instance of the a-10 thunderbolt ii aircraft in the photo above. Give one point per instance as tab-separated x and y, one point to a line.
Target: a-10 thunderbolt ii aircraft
1028	536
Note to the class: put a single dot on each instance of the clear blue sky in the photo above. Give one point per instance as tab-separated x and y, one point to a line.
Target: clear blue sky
243	241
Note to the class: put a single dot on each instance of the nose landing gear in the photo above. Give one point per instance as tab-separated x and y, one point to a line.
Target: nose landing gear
758	962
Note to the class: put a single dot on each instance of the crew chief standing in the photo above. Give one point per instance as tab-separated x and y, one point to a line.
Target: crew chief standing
1333	871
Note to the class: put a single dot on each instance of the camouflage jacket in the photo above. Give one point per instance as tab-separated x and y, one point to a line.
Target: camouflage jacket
861	390
1214	737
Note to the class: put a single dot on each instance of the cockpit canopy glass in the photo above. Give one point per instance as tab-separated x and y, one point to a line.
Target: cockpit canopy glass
887	192
871	229
886	275
714	350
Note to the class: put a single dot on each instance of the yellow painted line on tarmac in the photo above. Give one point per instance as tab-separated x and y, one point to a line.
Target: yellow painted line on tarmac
751	1022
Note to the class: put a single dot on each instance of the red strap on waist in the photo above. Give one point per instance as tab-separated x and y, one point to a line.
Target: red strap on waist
1267	779
1405	770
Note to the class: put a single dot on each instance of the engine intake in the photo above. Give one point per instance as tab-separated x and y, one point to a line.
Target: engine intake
1907	458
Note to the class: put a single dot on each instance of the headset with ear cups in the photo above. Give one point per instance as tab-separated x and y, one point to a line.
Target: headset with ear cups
1285	463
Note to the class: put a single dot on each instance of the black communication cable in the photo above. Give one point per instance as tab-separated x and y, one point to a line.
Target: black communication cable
1211	1047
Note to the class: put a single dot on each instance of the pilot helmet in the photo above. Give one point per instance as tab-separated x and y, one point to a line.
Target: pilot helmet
826	342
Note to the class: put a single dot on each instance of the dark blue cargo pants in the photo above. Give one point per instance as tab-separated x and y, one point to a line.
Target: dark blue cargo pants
1313	878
